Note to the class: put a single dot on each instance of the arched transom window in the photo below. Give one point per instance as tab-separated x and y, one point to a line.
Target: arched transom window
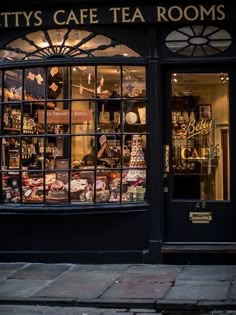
63	42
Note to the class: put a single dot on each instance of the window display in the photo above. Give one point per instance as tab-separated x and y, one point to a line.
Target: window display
74	135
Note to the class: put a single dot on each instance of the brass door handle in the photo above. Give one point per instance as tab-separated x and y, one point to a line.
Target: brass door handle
166	166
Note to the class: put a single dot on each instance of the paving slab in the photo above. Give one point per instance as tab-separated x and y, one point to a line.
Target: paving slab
38	271
144	278
160	287
199	290
78	283
164	272
147	277
208	272
137	290
15	288
6	269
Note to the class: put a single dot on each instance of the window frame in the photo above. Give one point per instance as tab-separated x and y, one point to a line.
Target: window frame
75	207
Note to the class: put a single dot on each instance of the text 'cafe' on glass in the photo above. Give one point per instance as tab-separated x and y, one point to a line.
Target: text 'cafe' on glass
117	134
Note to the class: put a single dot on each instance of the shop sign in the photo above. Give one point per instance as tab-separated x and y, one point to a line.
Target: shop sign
61	116
193	127
112	15
200	154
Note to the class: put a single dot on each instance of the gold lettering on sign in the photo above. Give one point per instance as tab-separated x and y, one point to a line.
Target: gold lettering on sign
137	16
191	9
126	16
210	12
193	128
71	18
57	15
201	154
175	13
220	10
31	18
62	17
190	13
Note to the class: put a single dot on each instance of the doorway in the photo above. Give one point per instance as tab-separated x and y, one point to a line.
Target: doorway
197	158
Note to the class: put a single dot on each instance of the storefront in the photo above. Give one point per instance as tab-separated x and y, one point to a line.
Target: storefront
117	123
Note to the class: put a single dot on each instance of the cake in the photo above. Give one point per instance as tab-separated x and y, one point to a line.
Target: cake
57	190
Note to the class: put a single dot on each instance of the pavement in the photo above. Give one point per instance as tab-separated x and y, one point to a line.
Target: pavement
155	288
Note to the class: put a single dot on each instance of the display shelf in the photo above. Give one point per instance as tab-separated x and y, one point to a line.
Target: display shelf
11	129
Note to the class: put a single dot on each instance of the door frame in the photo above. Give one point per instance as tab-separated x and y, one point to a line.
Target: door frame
178	226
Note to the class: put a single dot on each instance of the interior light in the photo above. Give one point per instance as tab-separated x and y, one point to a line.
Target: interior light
59	37
82	68
174	78
223	77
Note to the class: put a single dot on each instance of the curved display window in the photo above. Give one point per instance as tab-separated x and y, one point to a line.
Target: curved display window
73	134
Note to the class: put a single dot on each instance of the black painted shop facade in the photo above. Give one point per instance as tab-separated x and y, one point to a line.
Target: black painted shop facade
117	128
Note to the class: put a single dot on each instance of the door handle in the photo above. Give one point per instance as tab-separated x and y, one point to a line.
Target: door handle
166	166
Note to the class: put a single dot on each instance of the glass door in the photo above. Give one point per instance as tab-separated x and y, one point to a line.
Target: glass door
197	159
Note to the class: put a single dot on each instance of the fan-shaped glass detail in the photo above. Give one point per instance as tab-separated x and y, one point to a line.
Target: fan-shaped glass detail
198	41
63	42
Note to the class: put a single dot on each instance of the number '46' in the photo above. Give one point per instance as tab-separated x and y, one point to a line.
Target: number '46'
200	204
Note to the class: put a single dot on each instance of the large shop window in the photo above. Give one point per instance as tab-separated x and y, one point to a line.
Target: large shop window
73	134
